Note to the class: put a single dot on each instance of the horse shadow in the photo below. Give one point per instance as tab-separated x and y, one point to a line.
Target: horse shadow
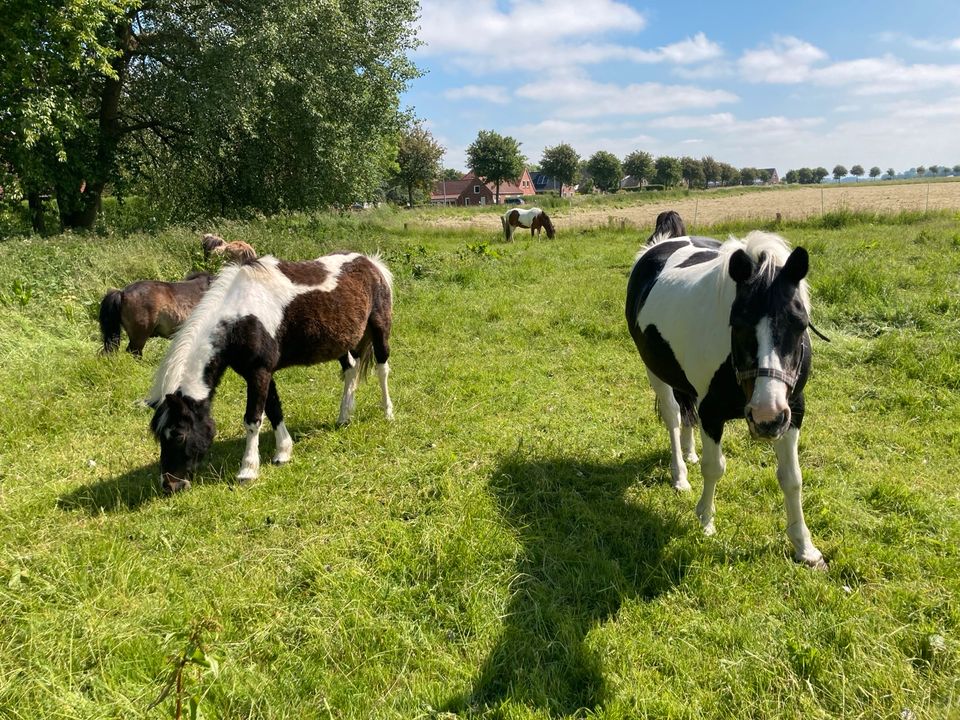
131	489
586	547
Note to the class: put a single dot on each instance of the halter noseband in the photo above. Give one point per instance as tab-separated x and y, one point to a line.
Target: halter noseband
790	378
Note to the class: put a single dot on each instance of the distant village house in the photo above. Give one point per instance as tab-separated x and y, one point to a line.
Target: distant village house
471	190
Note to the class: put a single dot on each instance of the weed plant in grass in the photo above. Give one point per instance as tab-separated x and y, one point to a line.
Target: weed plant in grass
510	546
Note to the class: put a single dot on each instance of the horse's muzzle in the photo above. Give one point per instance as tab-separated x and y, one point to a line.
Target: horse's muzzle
768	430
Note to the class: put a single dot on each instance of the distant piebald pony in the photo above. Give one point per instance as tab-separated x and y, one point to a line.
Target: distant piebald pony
533	218
257	318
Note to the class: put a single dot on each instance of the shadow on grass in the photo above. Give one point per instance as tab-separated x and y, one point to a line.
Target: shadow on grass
142	485
586	549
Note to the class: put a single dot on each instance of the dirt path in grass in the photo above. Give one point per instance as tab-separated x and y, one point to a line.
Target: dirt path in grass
708	208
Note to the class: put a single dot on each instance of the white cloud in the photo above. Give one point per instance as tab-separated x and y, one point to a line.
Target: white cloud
692	50
479	26
789	60
575	95
490	93
927	44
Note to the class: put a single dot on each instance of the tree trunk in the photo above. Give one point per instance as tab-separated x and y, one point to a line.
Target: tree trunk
496	199
36	212
80	195
410	196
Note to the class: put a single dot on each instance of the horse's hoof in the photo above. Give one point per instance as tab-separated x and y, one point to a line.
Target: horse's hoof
342	423
681	485
709	529
280	459
169	488
246	474
691	458
817	563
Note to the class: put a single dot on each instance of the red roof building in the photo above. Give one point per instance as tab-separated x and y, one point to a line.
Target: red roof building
471	190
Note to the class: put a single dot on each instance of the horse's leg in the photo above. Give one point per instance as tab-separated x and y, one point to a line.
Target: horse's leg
791	483
350	379
275	414
712	466
257	386
688	420
138	337
381	352
670	412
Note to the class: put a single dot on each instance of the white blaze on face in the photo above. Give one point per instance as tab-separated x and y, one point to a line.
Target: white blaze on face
769	394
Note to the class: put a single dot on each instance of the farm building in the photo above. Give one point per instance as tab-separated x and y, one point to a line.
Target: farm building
471	190
544	183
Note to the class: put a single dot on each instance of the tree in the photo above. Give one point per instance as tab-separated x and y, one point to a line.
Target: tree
956	169
875	172
418	160
890	173
451	174
495	158
806	176
711	170
764	175
748	175
692	171
606	171
839	171
214	105
729	175
921	170
933	169
669	171
562	163
639	164
819	173
857	171
792	177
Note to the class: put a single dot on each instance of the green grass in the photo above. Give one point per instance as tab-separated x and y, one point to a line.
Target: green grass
510	546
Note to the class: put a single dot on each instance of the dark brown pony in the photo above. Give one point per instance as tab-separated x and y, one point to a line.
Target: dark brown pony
258	318
149	308
533	218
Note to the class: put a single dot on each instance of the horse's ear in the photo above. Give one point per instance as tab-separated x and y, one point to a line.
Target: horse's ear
796	267
741	266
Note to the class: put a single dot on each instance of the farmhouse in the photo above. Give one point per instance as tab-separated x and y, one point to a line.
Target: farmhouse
774	178
471	190
544	183
632	182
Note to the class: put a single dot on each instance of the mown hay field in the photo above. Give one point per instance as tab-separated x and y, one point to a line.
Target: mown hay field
510	546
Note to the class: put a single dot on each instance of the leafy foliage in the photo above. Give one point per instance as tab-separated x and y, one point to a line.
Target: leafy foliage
495	158
418	160
606	171
561	162
639	164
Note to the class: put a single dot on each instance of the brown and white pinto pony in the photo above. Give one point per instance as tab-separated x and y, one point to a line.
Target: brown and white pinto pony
533	218
258	318
236	251
149	308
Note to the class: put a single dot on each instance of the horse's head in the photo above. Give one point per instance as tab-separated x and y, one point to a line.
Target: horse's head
770	349
547	225
184	428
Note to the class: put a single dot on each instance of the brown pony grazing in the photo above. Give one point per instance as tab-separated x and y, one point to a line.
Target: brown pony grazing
258	318
149	308
533	218
236	252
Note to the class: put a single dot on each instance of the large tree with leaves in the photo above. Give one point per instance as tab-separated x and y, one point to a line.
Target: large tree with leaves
605	169
562	163
639	164
418	160
221	105
495	158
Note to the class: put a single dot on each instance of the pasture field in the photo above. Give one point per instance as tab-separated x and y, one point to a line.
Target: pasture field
509	547
761	204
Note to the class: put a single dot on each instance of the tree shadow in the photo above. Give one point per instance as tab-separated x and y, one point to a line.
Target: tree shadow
142	485
586	548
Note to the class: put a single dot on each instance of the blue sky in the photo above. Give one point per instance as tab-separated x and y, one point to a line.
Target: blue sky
763	84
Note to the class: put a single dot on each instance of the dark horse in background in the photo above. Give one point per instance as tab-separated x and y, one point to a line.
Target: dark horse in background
149	308
258	318
722	330
533	218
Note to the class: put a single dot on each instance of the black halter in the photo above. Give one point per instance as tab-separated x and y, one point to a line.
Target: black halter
790	378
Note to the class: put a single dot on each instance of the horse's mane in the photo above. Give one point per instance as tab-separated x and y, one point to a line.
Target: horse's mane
198	325
769	251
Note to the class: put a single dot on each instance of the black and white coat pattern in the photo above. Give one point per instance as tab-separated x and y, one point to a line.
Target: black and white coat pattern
722	330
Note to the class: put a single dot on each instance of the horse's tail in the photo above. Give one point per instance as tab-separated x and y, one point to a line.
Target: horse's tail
110	308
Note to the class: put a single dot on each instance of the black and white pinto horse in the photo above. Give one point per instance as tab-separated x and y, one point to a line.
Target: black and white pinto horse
257	318
533	218
722	330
